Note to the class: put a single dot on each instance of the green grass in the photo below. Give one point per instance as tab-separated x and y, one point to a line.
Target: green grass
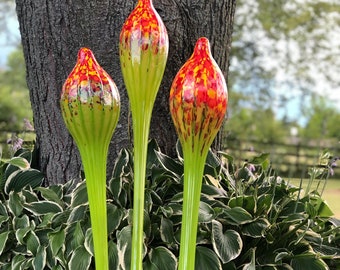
331	193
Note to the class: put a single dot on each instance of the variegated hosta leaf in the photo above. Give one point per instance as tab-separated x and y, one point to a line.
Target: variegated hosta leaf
124	247
162	258
206	259
228	245
19	162
80	259
19	179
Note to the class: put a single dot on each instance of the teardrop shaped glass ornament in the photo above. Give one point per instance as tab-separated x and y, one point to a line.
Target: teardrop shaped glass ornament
90	106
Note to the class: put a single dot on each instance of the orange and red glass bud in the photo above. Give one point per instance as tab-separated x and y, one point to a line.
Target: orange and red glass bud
198	97
90	100
143	51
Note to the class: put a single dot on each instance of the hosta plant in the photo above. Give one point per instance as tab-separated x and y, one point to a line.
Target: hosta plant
248	217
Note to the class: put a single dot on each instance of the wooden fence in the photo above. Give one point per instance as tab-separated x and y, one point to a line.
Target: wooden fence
292	158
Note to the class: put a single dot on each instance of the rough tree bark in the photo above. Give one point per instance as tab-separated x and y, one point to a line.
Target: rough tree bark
52	33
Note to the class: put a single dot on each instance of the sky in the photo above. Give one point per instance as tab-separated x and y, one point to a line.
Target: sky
8	40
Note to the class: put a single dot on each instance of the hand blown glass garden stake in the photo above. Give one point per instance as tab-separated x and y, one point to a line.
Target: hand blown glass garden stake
198	102
143	54
90	107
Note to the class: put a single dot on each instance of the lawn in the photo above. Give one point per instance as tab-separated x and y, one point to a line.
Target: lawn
331	193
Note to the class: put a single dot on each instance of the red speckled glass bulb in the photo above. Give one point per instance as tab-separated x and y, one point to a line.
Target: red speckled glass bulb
143	51
89	100
198	98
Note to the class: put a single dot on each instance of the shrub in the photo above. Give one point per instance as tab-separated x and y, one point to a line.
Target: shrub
249	218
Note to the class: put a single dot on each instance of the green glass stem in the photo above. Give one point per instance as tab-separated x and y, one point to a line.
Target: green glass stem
141	125
194	163
94	162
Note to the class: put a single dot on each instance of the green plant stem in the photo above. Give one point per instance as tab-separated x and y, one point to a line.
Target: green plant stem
141	124
94	162
193	171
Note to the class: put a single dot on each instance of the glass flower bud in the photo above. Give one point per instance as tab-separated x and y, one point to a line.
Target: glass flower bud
90	107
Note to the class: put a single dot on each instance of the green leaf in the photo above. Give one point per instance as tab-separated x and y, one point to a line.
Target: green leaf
43	207
59	218
19	162
206	212
147	265
115	187
212	159
18	262
79	195
115	216
50	195
57	267
3	219
167	231
3	240
17	180
21	233
80	259
78	213
39	260
21	222
124	247
172	166
24	153
122	161
264	204
29	195
113	255
252	264
151	155
76	236
163	258
308	261
246	201
227	245
256	228
3	210
206	259
88	243
261	159
57	241
32	242
237	215
15	204
323	209
281	255
213	192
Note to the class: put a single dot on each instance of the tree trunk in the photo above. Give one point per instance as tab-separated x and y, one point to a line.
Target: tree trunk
52	33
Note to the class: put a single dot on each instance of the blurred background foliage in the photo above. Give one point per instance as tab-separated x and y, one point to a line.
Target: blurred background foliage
14	101
284	69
